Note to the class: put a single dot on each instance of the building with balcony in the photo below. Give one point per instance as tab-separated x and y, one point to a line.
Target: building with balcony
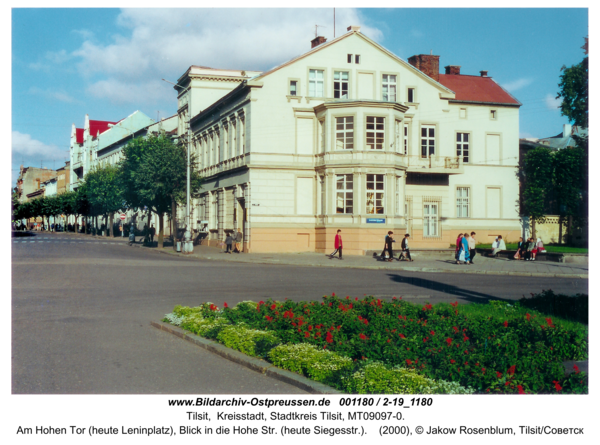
349	136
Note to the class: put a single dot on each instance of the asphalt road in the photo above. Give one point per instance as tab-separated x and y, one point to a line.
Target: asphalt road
81	311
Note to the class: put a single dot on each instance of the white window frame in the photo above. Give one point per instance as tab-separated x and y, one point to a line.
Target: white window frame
375	194
388	87
340	85
462	146
375	132
344	132
316	83
344	194
463	197
405	139
430	219
428	141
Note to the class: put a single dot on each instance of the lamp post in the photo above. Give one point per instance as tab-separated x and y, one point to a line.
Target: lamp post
188	246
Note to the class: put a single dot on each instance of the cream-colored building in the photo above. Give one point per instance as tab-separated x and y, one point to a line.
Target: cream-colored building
349	136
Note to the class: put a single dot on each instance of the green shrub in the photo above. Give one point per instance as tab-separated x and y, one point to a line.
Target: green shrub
205	327
569	307
249	341
304	358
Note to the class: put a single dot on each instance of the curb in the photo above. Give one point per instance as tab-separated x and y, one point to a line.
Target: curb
407	269
253	363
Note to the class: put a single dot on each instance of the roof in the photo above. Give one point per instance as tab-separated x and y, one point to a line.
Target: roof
563	141
79	135
477	89
99	127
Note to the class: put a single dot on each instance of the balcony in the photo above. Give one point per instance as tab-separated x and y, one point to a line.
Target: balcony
435	164
223	166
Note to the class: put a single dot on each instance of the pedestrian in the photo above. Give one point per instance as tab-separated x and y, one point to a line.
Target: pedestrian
338	245
458	246
520	250
228	243
385	240
389	245
465	248
152	233
52	227
472	244
405	254
540	246
500	246
238	241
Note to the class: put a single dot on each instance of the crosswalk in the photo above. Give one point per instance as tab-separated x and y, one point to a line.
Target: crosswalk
51	240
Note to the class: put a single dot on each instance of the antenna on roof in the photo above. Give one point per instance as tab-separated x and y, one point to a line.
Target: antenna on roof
316	30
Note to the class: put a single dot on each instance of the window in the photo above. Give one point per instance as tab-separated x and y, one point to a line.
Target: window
293	87
493	115
344	133
462	113
388	87
340	84
357	59
375	132
406	139
349	58
316	83
462	146
344	195
430	219
427	141
411	95
462	202
375	194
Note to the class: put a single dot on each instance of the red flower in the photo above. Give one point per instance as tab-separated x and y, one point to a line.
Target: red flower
432	333
402	336
520	388
452	361
506	324
455	329
576	369
307	334
225	305
363	336
408	361
333	294
310	327
483	370
499	374
557	385
465	338
449	341
549	321
329	337
528	318
425	339
273	306
455	304
511	370
388	340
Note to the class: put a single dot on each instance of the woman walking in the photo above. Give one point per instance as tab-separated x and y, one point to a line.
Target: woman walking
458	247
338	245
464	254
405	249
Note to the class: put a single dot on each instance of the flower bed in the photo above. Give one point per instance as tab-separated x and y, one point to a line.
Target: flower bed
374	346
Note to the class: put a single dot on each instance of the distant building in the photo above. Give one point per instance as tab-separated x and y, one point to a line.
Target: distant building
30	180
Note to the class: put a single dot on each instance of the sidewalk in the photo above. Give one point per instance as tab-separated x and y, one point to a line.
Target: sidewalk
421	263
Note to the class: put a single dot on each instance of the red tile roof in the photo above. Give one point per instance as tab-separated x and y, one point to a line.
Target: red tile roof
99	127
477	89
79	135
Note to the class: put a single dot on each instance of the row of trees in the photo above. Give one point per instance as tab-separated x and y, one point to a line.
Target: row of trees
151	176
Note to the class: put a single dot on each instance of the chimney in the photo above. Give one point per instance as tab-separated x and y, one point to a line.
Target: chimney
353	28
428	64
452	69
567	130
317	41
483	73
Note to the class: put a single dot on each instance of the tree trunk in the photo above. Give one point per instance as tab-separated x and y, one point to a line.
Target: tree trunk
533	228
560	231
110	225
161	230
147	234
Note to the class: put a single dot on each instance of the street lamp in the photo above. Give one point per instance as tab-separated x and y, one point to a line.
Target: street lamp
188	245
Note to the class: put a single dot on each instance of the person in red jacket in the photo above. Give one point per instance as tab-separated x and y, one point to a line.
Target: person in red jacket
338	245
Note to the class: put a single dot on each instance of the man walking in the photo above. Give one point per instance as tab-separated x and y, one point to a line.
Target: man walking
228	242
405	249
388	246
152	233
238	241
338	245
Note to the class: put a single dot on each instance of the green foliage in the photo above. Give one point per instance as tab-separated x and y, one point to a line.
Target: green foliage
252	342
205	327
536	174
103	190
573	308
574	93
318	364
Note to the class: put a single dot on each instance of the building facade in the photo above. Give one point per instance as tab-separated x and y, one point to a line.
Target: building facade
349	136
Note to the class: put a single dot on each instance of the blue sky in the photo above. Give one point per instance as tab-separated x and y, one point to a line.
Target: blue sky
108	62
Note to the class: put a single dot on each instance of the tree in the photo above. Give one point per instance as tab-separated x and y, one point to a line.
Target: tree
570	183
153	174
104	192
536	176
574	93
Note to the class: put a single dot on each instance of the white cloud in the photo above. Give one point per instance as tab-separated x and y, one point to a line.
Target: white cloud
131	91
517	84
33	153
158	43
84	33
61	95
552	102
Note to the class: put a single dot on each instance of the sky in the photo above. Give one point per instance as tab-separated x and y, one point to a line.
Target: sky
108	63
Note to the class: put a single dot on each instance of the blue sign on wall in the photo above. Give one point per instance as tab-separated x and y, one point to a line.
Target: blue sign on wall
375	220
